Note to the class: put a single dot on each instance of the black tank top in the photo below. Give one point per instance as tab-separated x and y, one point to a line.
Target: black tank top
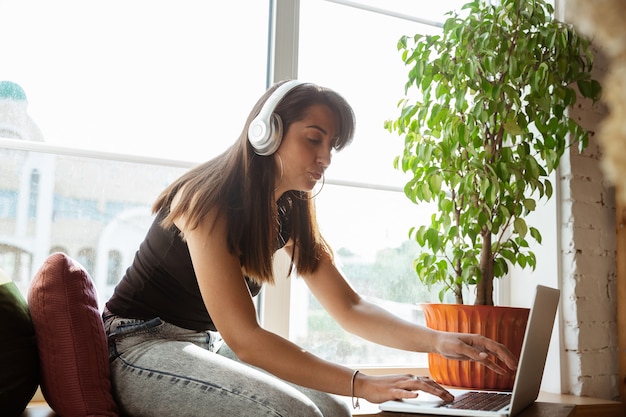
161	281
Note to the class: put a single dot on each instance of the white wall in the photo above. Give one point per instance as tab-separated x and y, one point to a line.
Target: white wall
578	256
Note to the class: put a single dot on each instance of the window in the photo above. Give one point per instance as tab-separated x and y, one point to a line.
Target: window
114	271
143	77
86	257
33	194
8	201
16	263
362	210
117	108
55	249
105	241
372	250
164	83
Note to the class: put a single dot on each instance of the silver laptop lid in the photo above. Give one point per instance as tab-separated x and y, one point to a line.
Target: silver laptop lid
534	348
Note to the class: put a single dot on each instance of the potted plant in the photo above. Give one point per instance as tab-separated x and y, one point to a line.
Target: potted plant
486	128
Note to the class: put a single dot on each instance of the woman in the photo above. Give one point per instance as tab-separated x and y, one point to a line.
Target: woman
206	256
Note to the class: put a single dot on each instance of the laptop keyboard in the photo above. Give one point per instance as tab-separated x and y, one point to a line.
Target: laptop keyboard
479	400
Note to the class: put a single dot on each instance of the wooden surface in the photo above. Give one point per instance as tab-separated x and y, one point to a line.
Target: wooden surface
587	406
548	405
620	212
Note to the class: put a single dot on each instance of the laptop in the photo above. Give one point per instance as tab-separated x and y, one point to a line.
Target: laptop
527	380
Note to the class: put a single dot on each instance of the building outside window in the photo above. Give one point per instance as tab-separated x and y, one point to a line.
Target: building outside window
33	194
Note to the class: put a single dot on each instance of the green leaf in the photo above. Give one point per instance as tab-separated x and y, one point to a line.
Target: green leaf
596	90
434	181
512	128
535	234
585	88
425	193
420	237
508	255
460	100
529	204
519	225
432	238
548	188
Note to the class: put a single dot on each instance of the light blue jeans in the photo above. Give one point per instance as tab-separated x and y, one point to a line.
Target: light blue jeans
161	370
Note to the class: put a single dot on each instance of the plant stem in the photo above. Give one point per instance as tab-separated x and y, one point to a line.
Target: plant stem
484	288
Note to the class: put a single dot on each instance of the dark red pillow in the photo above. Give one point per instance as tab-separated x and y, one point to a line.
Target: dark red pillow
75	375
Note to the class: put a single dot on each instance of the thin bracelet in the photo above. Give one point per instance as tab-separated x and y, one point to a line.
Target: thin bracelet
355	402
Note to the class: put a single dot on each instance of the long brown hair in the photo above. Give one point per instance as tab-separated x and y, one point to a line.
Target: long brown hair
240	184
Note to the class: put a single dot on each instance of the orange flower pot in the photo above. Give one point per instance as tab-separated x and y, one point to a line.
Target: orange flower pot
506	325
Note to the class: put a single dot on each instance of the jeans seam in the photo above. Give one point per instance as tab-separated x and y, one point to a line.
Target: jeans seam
135	327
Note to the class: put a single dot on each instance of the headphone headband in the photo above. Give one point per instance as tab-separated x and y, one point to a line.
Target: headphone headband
266	130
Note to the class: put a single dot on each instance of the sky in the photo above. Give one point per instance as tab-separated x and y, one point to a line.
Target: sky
135	76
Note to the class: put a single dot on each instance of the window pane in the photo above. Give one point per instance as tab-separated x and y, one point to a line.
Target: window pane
434	11
86	208
368	229
363	64
159	78
368	232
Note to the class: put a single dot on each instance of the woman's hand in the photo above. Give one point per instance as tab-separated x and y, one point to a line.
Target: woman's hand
377	389
474	347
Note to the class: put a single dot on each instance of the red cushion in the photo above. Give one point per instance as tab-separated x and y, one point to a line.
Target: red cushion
75	375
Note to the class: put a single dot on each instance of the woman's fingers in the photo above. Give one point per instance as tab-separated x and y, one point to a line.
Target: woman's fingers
413	383
428	385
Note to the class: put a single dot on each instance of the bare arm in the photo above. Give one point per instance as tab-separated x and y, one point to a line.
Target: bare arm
376	324
230	305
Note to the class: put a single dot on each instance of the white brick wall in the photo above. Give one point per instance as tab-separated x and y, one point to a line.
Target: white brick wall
588	270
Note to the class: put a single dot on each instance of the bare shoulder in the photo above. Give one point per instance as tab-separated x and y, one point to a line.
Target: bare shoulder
209	223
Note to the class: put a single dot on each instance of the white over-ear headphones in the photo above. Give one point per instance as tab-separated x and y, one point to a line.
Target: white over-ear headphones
266	130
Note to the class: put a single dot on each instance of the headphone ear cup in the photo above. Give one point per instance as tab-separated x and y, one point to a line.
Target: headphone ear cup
264	137
259	133
265	132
